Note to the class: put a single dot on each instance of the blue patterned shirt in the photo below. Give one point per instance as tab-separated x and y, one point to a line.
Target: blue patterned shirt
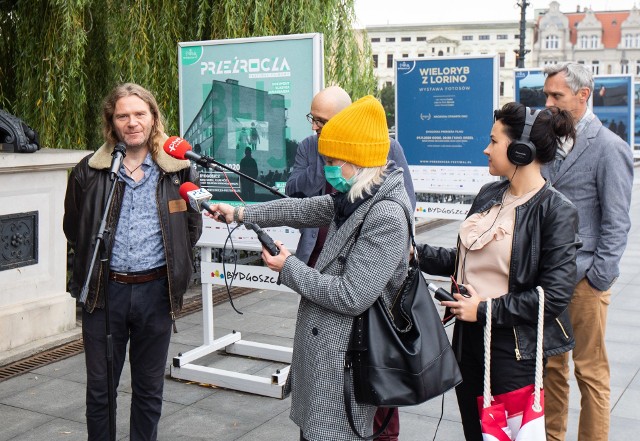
138	244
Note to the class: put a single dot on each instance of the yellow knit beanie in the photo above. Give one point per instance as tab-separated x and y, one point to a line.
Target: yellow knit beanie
357	134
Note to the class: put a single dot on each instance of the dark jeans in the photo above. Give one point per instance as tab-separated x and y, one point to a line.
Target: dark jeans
507	373
139	314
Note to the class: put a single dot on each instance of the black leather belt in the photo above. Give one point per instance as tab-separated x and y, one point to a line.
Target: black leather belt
138	277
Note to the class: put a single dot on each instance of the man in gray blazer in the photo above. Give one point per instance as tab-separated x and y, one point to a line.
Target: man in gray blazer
307	176
596	174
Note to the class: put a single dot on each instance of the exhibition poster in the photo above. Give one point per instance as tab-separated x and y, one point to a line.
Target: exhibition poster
636	106
613	100
444	115
243	103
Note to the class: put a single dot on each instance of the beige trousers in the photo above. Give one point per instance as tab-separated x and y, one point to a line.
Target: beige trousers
588	314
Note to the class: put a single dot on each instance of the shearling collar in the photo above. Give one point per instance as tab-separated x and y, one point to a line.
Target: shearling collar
101	159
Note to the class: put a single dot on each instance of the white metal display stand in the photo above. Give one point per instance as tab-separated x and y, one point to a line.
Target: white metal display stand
184	368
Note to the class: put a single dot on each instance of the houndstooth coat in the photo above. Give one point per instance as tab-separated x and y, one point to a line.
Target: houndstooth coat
348	278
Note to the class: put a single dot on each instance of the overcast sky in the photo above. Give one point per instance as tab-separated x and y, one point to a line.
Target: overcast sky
372	12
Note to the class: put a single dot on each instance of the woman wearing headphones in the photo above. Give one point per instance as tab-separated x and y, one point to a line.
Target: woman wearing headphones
520	233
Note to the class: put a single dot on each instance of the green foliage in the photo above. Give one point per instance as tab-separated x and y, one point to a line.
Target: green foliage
388	100
61	57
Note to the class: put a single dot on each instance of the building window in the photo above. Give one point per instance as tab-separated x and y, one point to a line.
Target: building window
440	53
516	36
483	37
448	49
375	40
390	39
375	61
637	40
583	42
502	58
405	55
433	50
594	42
551	42
638	67
405	39
421	38
501	36
389	60
624	66
595	67
501	88
628	40
420	55
389	84
467	37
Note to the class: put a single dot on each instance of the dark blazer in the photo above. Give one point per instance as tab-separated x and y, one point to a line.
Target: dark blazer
597	176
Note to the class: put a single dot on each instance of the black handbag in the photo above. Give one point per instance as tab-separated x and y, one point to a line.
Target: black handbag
399	355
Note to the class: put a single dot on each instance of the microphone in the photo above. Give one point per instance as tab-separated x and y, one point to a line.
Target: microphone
264	239
180	148
441	294
119	152
198	198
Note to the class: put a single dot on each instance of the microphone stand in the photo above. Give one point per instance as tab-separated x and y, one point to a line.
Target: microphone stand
209	162
101	248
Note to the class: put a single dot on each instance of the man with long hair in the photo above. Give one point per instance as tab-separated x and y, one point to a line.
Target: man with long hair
148	244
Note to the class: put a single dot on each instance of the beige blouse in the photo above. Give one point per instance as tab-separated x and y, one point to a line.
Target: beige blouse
485	246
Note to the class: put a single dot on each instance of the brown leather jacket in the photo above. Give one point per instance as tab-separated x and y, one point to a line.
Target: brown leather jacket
87	193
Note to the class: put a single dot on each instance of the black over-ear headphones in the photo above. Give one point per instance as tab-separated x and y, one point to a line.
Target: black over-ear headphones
522	151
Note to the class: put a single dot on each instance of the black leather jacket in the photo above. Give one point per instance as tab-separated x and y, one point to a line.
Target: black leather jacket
545	242
87	193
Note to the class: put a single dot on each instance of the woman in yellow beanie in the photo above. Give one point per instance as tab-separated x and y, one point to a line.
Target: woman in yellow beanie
349	274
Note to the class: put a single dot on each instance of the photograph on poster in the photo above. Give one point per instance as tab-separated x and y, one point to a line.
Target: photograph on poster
529	88
224	129
613	101
610	92
247	133
616	121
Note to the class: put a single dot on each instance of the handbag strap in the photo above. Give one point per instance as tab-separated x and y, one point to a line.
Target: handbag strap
406	213
347	405
486	396
486	391
539	350
347	383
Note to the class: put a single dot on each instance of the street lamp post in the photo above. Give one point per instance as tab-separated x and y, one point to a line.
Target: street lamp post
523	29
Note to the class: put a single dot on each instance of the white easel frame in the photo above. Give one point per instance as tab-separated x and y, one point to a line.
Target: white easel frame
183	367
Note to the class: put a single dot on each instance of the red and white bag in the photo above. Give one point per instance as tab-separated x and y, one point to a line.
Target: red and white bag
517	415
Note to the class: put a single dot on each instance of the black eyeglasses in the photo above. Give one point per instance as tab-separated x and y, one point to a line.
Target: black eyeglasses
318	122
